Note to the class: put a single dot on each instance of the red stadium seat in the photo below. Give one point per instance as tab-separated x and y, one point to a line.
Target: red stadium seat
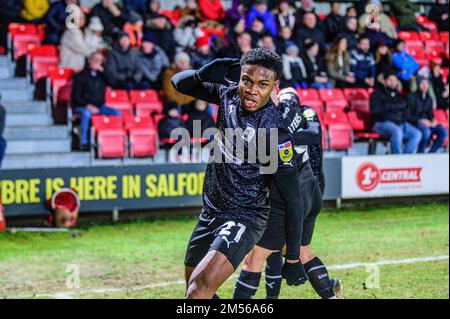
42	65
58	79
408	35
331	95
440	116
308	94
146	102
45	50
22	42
421	19
143	142
335	118
434	50
356	94
139	122
336	105
118	99
104	122
418	53
429	36
356	121
443	36
111	143
444	72
339	137
362	106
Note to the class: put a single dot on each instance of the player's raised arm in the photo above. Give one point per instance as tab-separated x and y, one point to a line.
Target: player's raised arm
203	84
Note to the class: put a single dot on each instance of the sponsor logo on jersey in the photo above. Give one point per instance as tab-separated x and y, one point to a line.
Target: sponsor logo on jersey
309	113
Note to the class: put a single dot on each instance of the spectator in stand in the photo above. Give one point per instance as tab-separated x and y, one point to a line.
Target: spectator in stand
316	68
307	6
236	13
260	9
235	28
384	63
338	62
362	64
93	35
34	10
122	65
351	11
202	54
112	17
211	10
243	45
141	7
310	30
161	29
284	39
389	113
405	12
190	9
152	61
285	15
186	34
267	42
74	49
88	95
351	32
2	129
334	22
257	31
182	62
439	14
294	71
377	25
420	114
200	113
55	20
440	88
9	12
405	63
171	121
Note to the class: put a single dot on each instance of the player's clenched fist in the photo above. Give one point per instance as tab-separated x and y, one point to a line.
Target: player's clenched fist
216	70
294	273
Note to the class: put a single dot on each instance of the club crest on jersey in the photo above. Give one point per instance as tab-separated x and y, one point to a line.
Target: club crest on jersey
309	113
286	152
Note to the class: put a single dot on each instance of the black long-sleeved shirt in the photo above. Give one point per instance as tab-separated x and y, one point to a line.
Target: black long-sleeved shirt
238	189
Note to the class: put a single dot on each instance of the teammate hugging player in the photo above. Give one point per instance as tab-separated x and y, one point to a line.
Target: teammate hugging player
304	125
235	195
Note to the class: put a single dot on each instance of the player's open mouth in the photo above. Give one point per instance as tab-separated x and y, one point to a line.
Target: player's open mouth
249	103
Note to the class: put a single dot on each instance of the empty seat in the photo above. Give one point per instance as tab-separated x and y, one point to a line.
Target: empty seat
119	99
335	117
356	121
440	116
58	78
336	105
139	122
408	35
308	94
443	36
111	143
331	95
143	142
146	102
434	50
356	94
427	36
102	122
22	42
339	137
42	65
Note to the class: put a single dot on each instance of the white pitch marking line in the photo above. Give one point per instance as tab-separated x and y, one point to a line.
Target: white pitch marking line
70	294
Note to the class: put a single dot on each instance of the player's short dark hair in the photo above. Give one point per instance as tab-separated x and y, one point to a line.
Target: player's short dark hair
265	58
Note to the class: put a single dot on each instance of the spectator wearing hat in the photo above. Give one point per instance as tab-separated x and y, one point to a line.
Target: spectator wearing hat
316	69
260	9
170	121
55	20
338	63
420	114
113	18
182	62
362	64
350	32
439	14
152	61
310	30
285	15
161	29
211	10
389	113
122	65
88	95
334	22
202	54
93	34
404	62
294	71
74	49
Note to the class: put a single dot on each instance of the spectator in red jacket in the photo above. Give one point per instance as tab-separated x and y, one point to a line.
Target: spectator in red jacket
211	10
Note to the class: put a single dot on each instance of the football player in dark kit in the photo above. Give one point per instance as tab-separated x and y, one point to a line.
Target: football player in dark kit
303	123
235	194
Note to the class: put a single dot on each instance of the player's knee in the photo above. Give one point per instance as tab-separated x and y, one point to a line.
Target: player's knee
199	288
306	254
254	261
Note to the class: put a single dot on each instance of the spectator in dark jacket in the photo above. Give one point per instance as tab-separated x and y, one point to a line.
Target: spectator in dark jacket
316	68
307	6
259	9
441	89
420	114
162	30
122	65
171	121
439	14
139	6
284	39
388	109
2	129
310	30
9	12
55	19
257	31
243	45
405	12
200	113
362	64
88	95
351	32
334	22
112	17
202	54
152	61
383	59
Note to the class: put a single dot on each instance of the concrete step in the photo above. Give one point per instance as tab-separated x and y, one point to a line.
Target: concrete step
46	160
38	146
36	132
14	83
13	107
28	120
17	94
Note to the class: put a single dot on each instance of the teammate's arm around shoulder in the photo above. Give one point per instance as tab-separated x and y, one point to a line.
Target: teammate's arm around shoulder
204	84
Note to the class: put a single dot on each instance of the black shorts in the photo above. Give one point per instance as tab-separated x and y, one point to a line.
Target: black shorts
233	238
274	237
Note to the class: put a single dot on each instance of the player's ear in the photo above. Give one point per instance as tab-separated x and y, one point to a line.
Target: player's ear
274	95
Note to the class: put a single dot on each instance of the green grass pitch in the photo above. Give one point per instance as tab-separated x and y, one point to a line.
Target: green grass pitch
144	259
